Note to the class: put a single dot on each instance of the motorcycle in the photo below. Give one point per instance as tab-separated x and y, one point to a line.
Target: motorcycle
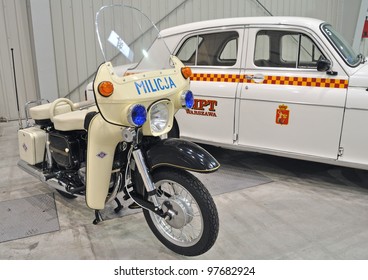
115	143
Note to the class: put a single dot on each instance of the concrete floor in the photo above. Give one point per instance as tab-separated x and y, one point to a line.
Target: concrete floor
302	210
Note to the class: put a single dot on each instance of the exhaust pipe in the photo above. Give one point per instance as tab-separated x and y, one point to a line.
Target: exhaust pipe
50	180
37	173
31	170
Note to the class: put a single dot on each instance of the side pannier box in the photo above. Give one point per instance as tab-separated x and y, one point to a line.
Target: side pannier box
32	143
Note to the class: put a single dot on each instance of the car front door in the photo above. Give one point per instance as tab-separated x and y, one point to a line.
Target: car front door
215	57
286	104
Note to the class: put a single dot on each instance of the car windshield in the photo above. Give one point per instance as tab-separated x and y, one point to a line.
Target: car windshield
340	44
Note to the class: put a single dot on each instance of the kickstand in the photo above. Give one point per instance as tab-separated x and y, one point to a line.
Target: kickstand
98	217
119	207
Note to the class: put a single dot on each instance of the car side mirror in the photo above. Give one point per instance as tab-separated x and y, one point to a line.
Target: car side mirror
323	65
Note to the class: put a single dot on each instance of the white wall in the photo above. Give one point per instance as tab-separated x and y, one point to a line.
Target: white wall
14	33
65	44
76	51
44	49
77	55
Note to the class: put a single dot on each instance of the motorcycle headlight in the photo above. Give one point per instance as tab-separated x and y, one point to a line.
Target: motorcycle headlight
137	115
187	99
159	117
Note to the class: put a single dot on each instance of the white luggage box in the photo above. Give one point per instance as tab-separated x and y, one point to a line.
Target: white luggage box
32	143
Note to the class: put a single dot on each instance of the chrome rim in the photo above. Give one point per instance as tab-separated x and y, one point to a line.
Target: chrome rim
186	228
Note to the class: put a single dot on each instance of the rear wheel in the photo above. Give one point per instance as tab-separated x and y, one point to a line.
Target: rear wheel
194	228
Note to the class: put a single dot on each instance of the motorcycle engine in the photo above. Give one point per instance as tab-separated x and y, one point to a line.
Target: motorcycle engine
67	150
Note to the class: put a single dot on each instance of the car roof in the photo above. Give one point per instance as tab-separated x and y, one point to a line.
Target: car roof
311	23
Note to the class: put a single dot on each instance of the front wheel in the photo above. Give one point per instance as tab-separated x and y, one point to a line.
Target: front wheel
194	228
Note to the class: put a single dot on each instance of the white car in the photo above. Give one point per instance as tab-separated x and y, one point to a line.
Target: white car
286	86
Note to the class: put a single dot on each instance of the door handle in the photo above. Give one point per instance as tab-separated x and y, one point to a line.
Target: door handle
258	78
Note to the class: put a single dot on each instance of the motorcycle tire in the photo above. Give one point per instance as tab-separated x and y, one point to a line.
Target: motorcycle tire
194	228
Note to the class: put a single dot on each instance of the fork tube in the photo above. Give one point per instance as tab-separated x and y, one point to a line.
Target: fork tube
147	180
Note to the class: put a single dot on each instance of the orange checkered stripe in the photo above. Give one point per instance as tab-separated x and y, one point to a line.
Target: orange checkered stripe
272	80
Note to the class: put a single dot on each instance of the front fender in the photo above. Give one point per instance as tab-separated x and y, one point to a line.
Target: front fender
181	154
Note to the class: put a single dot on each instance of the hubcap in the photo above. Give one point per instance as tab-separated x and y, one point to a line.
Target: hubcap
183	212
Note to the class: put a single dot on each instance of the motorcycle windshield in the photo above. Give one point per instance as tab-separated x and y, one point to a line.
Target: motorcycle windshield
130	41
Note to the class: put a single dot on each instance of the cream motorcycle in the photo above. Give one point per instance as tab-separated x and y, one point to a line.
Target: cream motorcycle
115	144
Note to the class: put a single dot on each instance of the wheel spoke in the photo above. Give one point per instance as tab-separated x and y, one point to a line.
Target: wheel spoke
183	201
190	226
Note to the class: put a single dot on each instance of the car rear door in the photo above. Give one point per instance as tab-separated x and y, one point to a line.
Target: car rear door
286	105
214	56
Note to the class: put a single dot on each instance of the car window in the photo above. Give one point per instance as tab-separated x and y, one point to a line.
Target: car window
287	49
230	51
262	47
213	49
309	53
187	52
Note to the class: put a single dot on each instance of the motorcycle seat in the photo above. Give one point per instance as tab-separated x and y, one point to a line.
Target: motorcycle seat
72	120
42	112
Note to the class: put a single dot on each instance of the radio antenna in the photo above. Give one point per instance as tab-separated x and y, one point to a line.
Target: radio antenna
16	90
